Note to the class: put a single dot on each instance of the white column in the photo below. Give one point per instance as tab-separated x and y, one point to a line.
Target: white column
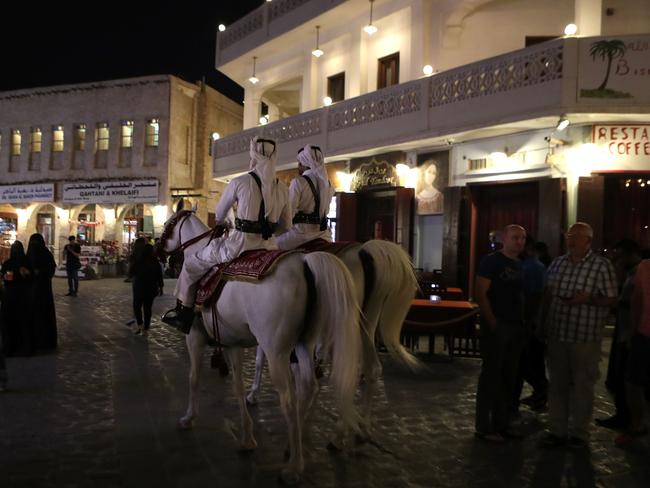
588	17
309	84
251	108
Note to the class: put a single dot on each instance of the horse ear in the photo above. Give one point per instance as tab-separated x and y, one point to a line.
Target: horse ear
180	205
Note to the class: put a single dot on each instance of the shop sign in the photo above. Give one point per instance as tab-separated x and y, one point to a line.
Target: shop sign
43	192
627	146
614	68
128	191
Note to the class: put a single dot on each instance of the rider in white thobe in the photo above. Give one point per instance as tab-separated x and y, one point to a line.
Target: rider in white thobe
247	235
308	222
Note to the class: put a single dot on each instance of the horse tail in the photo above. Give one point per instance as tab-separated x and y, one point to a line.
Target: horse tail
335	319
390	286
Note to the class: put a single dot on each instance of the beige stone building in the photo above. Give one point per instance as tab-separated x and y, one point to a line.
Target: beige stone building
108	160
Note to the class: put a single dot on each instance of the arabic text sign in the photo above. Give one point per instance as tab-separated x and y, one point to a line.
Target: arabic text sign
43	192
138	191
627	146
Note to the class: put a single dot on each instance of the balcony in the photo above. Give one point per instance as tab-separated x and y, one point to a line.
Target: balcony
524	89
267	22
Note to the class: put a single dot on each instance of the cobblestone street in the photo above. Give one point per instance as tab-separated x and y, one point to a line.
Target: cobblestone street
102	412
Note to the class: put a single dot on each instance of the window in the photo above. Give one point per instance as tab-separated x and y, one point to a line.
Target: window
388	71
127	134
152	133
80	137
15	142
57	138
336	87
101	137
36	140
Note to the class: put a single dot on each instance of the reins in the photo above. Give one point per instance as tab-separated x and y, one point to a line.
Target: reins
214	233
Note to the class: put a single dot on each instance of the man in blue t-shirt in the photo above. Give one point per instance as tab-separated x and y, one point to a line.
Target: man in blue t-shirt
499	292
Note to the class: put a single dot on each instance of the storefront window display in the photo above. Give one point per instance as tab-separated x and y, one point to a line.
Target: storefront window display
45	227
86	225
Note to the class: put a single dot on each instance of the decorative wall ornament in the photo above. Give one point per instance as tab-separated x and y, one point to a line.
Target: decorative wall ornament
241	28
380	105
297	127
500	74
374	173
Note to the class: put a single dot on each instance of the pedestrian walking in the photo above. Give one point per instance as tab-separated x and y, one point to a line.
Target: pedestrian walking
581	290
532	365
499	294
72	252
136	252
627	256
638	362
147	283
42	317
17	336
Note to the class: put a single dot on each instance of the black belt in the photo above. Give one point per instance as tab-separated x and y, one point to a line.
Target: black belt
303	218
255	227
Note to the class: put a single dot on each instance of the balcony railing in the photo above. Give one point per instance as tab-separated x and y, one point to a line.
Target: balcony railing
266	22
538	81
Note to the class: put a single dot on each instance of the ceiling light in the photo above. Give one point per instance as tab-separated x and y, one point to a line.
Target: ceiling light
327	101
370	29
318	52
570	30
427	70
562	124
222	27
254	79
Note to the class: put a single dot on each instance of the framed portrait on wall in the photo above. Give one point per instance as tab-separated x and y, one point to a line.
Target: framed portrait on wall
433	175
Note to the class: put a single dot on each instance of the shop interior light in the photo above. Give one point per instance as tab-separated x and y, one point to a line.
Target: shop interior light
222	27
427	70
570	30
562	124
370	29
327	101
318	52
254	79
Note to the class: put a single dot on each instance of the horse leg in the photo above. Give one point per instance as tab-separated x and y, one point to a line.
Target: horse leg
371	369
257	382
280	374
196	342
235	357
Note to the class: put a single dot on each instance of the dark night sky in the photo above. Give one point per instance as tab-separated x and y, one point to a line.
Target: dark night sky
54	43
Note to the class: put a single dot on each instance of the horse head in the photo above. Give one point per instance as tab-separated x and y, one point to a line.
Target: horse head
180	229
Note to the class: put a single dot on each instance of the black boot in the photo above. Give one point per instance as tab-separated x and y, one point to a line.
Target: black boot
180	318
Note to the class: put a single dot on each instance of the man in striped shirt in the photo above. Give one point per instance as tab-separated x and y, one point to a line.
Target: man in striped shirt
581	289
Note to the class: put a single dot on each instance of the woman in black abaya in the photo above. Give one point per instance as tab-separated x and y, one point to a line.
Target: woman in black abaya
41	313
17	338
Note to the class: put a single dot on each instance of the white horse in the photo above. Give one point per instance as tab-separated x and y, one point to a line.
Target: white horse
307	298
385	284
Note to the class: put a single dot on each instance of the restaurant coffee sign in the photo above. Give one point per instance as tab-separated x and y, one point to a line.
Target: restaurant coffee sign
43	192
624	147
127	191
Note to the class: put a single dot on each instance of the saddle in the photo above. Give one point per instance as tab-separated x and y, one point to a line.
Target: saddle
251	266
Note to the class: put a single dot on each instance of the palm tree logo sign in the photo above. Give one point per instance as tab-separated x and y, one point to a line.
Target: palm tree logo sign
606	51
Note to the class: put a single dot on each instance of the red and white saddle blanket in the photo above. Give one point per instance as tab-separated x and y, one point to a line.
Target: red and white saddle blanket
250	266
254	266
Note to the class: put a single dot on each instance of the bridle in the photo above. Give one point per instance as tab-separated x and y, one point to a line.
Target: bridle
182	217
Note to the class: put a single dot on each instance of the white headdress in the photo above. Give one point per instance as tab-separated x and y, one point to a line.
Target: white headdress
263	157
311	157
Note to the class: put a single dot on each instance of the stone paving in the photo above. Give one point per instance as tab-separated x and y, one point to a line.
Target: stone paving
102	412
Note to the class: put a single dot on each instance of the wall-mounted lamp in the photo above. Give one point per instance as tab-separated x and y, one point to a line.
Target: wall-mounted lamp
370	29
327	101
562	124
264	119
570	30
318	52
427	70
254	79
221	27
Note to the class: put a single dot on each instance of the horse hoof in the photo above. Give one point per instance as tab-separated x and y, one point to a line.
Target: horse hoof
185	423
289	478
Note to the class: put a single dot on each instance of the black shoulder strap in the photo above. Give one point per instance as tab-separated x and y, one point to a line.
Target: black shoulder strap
261	218
316	196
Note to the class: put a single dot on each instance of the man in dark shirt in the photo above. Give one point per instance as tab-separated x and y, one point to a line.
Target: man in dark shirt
499	294
72	251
